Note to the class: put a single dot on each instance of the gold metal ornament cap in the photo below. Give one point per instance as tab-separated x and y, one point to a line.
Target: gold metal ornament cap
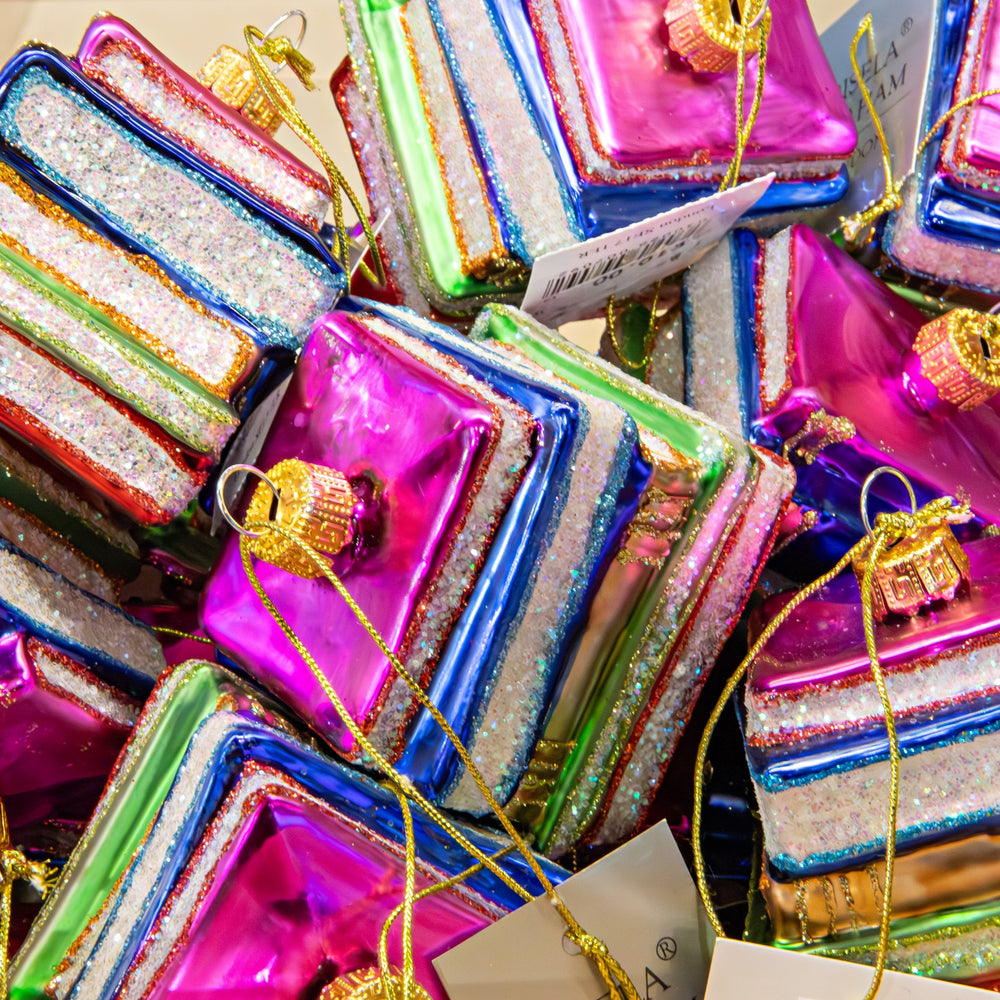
925	565
366	984
229	76
959	354
312	502
928	566
705	34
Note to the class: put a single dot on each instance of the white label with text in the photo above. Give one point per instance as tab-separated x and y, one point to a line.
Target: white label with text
639	900
573	283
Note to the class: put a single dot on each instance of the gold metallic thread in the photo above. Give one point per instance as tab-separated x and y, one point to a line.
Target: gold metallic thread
611	325
818	432
854	226
744	128
281	51
13	866
889	529
614	976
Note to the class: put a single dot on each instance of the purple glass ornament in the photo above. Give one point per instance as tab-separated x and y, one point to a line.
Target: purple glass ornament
841	343
628	103
412	444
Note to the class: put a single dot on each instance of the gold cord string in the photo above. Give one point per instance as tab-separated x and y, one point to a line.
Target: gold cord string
614	976
854	225
180	634
281	51
889	528
13	866
743	129
447	883
388	984
611	324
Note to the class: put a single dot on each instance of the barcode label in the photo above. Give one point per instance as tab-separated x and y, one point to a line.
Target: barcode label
571	284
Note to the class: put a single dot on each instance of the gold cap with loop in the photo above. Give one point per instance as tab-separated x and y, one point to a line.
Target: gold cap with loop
925	565
959	355
230	77
367	984
706	35
311	502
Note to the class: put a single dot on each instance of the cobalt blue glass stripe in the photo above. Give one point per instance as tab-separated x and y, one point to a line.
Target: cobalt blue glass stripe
42	65
497	605
116	672
815	761
354	795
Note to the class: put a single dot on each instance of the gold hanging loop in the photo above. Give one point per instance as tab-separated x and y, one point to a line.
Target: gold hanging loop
888	529
620	987
260	50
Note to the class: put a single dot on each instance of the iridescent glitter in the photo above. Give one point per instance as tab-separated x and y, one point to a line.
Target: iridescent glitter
94	348
13	465
665	370
774	334
57	610
714	386
499	482
366	138
921	251
536	210
513	703
839	818
726	595
476	230
78	682
132	74
78	420
917	685
174	212
687	573
181	330
31	536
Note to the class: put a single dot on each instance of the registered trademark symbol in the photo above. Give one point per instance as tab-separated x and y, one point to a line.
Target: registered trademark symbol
666	948
907	24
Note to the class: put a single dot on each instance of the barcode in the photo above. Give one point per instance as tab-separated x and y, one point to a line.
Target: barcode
596	269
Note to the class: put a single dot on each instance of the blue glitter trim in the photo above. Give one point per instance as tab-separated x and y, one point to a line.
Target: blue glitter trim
239	745
871	850
492	174
914	739
277	331
109	668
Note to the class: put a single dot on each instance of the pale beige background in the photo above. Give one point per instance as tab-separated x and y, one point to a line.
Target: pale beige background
189	31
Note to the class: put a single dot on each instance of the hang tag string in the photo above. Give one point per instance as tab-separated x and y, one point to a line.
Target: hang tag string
887	530
759	18
611	325
14	866
281	51
854	225
614	976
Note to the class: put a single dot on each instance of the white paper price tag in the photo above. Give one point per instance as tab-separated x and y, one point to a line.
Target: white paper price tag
743	971
894	69
570	284
640	900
